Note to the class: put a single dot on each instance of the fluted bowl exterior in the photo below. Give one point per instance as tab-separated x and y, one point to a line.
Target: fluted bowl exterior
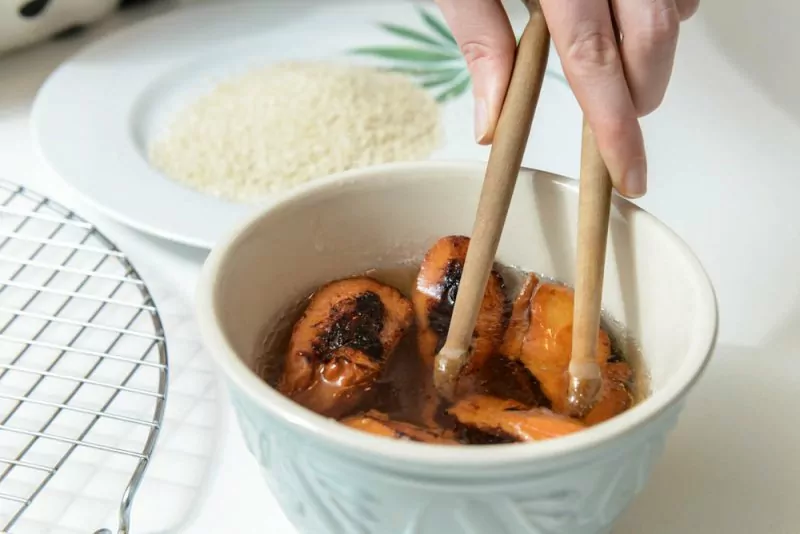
331	479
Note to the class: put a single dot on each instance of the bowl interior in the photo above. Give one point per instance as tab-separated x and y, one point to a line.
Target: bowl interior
377	218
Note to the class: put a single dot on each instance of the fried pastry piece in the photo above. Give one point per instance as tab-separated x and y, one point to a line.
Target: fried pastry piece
511	421
434	297
379	424
520	319
504	375
339	346
615	396
547	345
505	378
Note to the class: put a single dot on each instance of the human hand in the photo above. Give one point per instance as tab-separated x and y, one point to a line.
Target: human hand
614	85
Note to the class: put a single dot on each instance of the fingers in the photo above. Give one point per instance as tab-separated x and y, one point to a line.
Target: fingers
650	37
484	34
584	37
687	8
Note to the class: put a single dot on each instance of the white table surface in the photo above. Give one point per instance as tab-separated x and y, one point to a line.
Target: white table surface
724	155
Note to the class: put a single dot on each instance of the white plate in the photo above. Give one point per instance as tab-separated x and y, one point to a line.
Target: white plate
97	113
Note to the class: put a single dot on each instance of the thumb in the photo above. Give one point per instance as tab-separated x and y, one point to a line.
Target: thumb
484	34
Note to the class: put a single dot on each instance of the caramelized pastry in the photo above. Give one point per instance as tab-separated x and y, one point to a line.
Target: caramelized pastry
339	346
547	345
511	421
434	297
379	424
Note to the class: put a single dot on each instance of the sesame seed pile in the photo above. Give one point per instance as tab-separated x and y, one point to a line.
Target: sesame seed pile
281	125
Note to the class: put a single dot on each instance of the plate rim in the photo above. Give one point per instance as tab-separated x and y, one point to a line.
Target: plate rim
42	118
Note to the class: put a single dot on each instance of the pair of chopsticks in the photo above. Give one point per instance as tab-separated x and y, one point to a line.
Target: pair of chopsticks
505	160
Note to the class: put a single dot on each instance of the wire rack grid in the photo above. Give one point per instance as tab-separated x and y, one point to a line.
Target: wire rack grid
83	369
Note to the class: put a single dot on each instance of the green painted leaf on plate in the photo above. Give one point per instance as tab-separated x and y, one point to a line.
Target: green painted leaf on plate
413	35
426	69
402	53
443	78
430	55
437	26
455	90
451	74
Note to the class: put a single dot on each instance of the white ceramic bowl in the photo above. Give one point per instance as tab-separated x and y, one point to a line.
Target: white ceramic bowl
331	479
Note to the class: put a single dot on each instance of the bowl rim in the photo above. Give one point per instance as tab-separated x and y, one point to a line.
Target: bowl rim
367	446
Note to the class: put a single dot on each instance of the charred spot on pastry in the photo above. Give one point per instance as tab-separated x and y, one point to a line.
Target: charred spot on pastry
33	8
356	323
440	315
508	306
471	435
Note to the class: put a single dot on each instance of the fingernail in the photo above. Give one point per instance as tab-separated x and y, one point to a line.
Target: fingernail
635	180
481	120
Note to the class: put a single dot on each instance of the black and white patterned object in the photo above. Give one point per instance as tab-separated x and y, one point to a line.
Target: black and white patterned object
25	22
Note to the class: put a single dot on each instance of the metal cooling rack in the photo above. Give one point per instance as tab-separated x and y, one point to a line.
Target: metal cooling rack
83	369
